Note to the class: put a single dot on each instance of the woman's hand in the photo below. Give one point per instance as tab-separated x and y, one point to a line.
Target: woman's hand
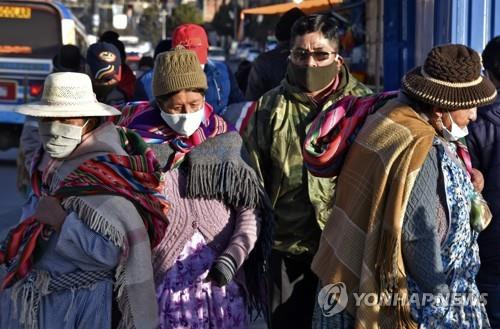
222	271
50	212
477	180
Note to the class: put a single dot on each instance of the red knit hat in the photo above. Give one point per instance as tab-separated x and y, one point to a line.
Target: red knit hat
192	37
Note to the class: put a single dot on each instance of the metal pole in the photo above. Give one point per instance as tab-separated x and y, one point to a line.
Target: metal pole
163	18
95	17
235	25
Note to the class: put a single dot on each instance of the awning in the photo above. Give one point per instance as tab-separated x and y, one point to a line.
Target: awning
308	6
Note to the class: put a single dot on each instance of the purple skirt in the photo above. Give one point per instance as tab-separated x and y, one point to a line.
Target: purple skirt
187	301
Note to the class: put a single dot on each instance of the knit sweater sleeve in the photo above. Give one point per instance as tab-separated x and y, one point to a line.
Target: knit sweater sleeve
244	236
421	236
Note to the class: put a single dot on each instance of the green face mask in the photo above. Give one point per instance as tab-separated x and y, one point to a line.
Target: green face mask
310	78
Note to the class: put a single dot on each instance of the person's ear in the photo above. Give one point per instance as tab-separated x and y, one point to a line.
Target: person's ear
438	112
340	61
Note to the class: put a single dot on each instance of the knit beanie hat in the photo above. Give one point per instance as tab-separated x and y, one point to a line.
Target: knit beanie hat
451	79
176	70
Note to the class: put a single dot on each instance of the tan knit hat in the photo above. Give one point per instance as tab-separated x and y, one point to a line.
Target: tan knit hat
176	70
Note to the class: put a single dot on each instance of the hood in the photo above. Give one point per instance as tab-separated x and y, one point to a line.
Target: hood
491	112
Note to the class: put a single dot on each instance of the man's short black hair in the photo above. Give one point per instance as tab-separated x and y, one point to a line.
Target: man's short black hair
325	24
491	57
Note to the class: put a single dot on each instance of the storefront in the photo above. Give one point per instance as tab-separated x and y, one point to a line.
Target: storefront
381	40
413	27
351	18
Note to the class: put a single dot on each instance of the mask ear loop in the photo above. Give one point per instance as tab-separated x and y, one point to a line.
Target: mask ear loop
83	127
451	119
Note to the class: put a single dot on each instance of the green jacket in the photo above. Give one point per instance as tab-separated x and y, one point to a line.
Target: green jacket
274	137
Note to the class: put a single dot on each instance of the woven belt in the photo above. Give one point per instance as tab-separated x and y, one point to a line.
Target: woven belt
78	279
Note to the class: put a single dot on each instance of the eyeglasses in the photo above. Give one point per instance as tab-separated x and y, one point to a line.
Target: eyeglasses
319	56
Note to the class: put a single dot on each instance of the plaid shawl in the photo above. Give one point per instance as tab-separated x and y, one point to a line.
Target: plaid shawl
145	119
361	244
334	130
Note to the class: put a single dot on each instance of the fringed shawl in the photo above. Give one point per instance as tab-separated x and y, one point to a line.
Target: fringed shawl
95	182
218	169
361	243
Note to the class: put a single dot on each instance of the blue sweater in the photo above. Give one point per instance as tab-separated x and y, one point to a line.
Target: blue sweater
223	89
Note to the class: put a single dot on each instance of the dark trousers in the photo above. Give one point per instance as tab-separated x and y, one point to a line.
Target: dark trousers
297	311
488	282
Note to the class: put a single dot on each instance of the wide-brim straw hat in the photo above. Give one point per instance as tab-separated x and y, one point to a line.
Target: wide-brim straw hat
67	95
451	79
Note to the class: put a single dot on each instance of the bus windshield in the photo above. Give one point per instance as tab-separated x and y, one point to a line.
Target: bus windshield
29	30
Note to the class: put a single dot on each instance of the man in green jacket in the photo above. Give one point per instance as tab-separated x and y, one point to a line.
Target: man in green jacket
316	79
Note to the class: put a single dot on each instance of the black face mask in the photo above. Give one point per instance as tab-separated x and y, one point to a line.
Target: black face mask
309	78
102	91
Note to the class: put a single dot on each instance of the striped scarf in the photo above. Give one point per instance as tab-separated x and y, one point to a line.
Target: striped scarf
145	119
334	130
136	177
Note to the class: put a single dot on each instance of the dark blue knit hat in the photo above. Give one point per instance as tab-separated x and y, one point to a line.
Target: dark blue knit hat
104	61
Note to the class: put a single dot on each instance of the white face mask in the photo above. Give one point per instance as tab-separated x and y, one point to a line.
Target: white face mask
59	139
455	133
184	124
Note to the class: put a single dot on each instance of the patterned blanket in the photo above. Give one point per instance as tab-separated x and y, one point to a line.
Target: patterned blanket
334	130
135	177
144	118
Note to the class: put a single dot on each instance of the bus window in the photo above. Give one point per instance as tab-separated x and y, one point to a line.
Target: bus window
29	30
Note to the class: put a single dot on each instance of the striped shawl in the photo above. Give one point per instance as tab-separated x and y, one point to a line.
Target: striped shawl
144	118
361	244
117	194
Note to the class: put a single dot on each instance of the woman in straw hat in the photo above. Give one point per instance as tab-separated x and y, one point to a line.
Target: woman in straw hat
90	224
407	213
218	207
